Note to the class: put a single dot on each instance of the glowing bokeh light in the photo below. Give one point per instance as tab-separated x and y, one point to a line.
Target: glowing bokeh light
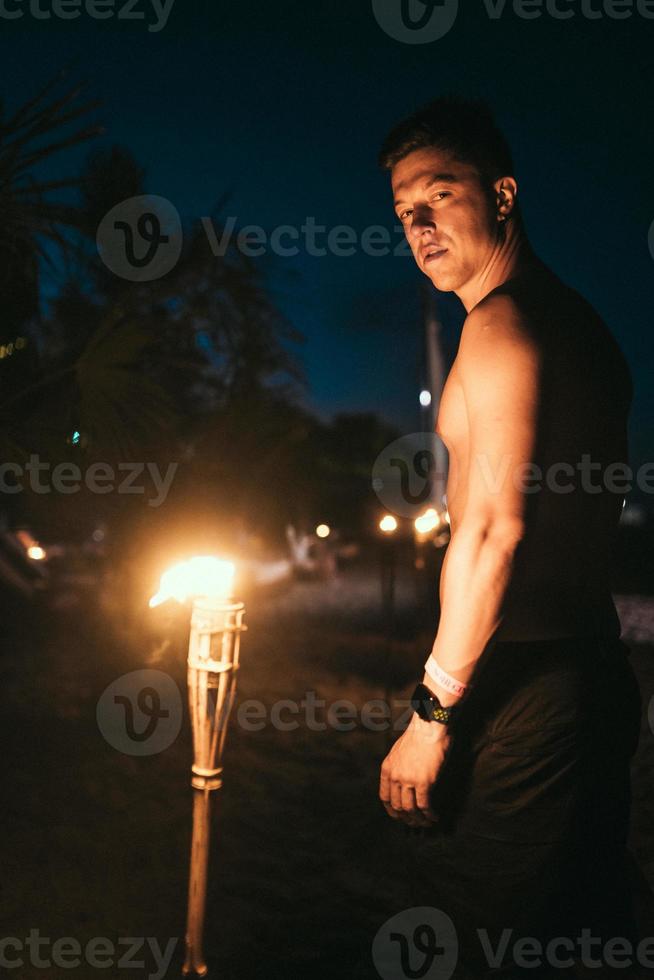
388	524
427	522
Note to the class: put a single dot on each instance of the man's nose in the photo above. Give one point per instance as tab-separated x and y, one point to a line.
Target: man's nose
423	221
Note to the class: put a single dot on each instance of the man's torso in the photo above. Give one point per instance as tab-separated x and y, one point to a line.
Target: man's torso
560	581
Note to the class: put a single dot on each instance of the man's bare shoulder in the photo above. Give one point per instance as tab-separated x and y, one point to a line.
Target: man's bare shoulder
538	325
498	327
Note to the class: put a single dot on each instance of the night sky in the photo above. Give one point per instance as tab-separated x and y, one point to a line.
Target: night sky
284	104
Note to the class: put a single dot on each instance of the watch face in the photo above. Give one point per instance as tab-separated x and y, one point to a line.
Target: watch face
427	706
421	703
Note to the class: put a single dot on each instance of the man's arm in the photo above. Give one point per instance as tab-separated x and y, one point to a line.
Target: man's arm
499	370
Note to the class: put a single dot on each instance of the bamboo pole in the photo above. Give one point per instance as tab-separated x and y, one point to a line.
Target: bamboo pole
212	668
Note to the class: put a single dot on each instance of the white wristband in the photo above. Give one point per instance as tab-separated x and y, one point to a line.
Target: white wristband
446	681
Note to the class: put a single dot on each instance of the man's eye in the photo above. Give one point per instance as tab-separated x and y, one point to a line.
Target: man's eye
439	195
405	214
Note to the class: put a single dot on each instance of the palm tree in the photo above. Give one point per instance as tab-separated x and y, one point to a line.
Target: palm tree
129	367
32	221
36	222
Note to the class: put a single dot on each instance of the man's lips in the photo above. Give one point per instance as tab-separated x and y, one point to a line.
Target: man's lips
432	253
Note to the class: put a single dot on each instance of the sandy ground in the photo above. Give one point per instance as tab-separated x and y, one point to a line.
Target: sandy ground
305	865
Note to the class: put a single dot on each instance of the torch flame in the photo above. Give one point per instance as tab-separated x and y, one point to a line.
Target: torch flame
208	577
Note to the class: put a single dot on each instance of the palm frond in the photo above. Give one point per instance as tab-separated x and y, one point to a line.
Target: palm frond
22	114
35	132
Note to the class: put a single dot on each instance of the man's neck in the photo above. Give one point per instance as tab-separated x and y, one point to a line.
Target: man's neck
509	258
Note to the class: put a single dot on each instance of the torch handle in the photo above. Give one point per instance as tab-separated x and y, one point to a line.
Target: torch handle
195	964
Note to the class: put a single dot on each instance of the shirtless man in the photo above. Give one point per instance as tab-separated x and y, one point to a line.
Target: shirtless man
528	771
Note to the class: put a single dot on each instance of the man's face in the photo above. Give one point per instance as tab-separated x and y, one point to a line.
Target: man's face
449	218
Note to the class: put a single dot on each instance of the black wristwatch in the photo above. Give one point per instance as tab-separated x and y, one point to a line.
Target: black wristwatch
427	706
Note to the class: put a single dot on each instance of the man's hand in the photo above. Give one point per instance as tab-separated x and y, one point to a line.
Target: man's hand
410	770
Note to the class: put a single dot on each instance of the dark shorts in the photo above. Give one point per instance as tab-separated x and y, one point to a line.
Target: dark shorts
534	800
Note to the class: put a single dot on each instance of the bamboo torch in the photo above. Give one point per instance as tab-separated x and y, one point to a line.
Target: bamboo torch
216	625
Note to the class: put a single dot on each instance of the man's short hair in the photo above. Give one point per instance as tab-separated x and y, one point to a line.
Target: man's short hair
465	128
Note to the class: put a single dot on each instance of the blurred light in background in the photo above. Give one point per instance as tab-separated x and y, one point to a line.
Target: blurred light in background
388	524
425	398
6	350
36	552
632	514
427	522
323	530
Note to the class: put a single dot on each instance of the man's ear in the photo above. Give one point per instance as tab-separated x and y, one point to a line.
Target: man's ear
506	192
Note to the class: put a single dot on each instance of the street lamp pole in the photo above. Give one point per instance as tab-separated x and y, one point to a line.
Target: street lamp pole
388	526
